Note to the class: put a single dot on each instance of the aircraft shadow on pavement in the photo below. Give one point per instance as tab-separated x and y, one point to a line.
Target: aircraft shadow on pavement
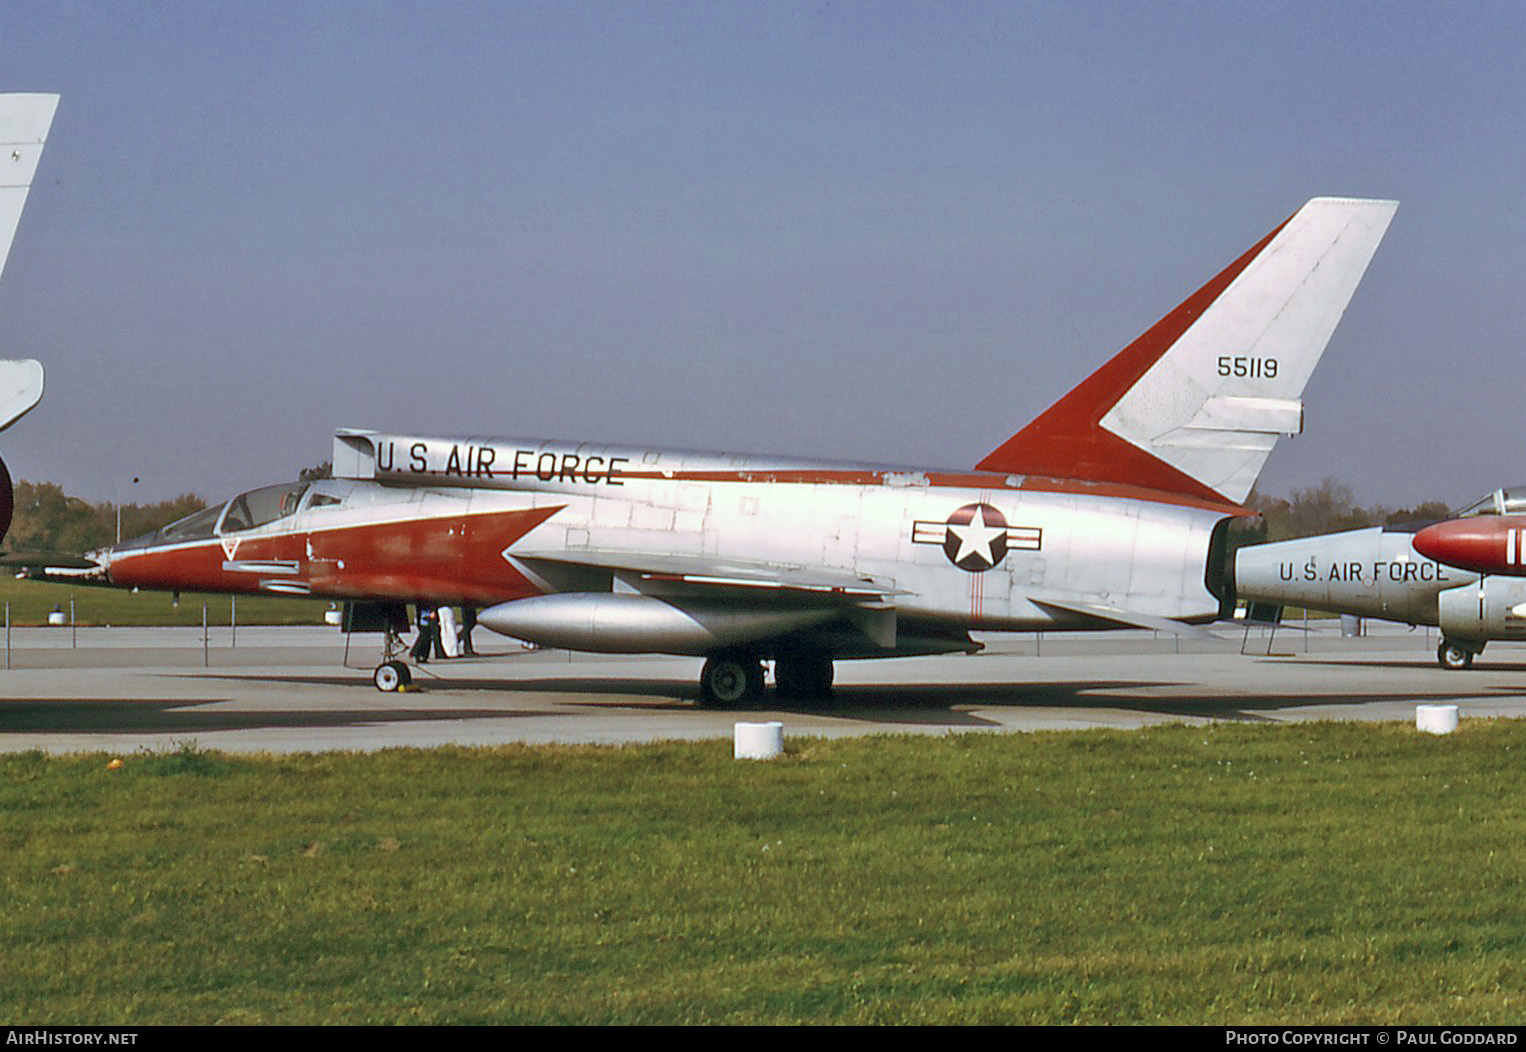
158	715
1481	666
917	704
912	704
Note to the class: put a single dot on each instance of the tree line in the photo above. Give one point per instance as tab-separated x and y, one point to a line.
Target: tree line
1324	508
48	519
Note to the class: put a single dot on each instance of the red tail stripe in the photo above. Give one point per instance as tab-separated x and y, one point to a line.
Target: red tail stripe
1067	440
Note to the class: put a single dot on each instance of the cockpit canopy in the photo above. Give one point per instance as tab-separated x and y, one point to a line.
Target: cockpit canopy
259	506
1508	501
244	512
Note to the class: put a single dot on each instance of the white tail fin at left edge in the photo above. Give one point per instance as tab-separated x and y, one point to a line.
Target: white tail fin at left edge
24	123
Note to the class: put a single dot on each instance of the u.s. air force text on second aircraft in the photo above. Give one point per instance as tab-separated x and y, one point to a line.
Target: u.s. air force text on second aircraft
1396	570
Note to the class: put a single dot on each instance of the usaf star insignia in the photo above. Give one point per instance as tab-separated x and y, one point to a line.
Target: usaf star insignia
976	537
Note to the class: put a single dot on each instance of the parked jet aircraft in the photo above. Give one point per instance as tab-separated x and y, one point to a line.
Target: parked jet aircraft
1108	510
24	124
1463	575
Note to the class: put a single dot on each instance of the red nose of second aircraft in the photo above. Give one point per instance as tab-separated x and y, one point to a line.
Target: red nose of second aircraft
1486	544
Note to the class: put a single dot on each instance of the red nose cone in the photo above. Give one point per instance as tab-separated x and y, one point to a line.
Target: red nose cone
1487	544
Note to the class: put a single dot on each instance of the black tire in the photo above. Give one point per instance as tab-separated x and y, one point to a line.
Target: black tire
731	679
804	675
391	676
1453	656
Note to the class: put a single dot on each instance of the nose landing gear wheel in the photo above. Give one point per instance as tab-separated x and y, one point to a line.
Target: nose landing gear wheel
1452	656
391	676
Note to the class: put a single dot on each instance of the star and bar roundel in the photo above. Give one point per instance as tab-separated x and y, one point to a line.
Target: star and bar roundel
976	537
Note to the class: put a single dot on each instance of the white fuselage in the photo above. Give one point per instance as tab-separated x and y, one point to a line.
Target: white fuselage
887	525
895	559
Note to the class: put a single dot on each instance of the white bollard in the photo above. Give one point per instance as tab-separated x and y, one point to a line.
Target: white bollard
758	741
1436	719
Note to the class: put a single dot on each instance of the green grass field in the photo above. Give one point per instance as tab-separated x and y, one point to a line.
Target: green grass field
1227	874
32	601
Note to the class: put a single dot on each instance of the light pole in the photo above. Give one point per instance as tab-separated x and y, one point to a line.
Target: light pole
119	507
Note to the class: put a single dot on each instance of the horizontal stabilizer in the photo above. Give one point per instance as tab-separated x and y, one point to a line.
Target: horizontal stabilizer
1127	617
20	389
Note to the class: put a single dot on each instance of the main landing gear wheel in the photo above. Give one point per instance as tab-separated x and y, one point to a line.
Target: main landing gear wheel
391	676
1453	656
803	675
731	679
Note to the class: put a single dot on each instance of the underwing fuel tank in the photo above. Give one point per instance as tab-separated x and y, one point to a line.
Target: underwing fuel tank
610	623
1375	572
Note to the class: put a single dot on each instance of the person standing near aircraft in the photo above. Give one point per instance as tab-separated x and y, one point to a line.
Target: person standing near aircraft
468	622
429	635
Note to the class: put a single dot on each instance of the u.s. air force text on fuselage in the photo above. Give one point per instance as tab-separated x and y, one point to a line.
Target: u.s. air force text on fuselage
425	458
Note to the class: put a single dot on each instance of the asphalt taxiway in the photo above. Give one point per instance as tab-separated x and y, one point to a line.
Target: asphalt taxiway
289	690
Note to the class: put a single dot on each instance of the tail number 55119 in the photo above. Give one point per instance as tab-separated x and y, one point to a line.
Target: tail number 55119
1253	368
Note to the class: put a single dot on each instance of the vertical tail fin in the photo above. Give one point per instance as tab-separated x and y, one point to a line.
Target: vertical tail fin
1196	404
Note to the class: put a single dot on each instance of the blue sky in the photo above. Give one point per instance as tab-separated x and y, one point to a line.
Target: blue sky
868	231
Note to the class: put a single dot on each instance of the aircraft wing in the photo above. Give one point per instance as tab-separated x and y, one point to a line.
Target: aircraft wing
664	573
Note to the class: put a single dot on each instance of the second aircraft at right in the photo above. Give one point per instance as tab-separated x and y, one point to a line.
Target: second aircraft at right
1466	575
